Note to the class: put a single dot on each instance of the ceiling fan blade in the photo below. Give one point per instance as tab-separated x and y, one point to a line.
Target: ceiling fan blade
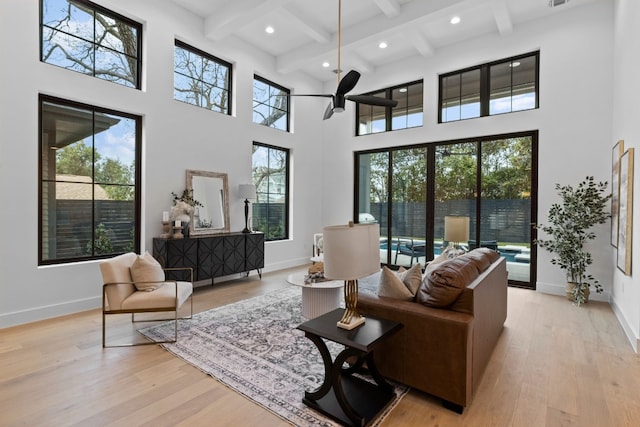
328	112
372	100
348	82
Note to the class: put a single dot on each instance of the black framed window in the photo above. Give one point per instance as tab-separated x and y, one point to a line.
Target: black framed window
89	193
201	79
407	114
490	181
270	104
81	36
498	87
270	172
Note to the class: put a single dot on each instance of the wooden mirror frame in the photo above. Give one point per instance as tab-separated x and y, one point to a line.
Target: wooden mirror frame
197	195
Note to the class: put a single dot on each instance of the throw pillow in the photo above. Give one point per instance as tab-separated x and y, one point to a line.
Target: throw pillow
146	273
412	278
391	285
446	283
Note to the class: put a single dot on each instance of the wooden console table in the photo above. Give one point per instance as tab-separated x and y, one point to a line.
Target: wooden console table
211	256
348	399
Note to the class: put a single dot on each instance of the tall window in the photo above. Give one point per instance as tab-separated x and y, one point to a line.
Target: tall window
270	167
201	79
489	181
270	104
84	37
89	181
494	88
407	114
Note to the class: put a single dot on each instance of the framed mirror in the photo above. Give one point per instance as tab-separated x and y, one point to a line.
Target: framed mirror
211	189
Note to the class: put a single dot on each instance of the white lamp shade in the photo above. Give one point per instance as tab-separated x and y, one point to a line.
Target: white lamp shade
351	252
247	191
456	228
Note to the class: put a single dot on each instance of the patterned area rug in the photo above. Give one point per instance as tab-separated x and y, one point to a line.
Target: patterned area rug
253	346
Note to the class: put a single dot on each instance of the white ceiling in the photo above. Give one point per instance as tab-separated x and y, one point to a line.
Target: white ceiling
306	30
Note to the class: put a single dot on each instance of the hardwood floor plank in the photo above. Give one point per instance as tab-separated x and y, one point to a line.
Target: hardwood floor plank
554	365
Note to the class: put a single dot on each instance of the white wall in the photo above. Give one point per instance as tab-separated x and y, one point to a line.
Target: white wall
626	126
574	118
176	137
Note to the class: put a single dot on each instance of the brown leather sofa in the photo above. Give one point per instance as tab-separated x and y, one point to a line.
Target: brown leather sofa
443	351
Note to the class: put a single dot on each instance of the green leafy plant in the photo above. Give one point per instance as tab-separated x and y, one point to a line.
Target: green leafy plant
186	197
570	226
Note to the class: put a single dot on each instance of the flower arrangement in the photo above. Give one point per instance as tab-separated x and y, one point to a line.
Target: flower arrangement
183	205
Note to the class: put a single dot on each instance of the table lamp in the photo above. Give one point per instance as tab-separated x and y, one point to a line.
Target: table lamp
351	252
246	192
456	230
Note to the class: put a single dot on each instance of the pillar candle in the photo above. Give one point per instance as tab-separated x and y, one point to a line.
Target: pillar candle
165	216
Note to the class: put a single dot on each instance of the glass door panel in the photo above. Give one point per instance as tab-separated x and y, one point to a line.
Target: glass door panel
506	203
373	192
408	208
455	192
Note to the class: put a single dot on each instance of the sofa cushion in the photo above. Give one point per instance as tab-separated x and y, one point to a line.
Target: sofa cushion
147	273
444	284
391	285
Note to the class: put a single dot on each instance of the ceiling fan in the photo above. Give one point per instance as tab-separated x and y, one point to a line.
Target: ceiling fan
346	84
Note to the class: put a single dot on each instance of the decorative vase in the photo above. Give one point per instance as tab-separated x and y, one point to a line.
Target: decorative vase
571	292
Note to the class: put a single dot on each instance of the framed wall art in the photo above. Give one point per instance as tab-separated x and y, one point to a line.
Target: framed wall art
625	212
616	153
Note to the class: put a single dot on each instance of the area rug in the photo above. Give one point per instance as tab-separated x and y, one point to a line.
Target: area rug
253	347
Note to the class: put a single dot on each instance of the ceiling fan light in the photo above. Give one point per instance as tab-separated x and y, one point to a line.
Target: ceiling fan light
338	109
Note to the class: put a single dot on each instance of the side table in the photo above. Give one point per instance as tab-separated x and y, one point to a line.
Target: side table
318	298
348	399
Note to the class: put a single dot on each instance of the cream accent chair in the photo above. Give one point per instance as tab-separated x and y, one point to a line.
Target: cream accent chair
119	295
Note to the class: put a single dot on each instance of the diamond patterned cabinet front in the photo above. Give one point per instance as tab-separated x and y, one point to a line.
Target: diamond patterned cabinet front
212	256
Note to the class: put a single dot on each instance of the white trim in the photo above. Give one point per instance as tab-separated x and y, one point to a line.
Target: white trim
632	336
49	311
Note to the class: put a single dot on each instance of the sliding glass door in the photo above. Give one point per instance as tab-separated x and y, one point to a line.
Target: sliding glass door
486	184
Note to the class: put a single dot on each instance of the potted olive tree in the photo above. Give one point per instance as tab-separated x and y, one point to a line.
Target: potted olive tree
569	228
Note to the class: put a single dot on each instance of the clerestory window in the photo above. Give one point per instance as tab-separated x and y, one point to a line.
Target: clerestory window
270	104
494	88
81	36
407	114
201	79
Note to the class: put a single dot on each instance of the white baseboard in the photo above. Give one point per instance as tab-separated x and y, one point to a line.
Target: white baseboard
633	338
47	312
556	289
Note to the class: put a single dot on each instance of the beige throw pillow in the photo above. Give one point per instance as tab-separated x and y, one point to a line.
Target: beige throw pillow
412	278
391	286
147	273
402	284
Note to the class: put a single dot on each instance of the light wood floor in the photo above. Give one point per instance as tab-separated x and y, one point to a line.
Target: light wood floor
555	365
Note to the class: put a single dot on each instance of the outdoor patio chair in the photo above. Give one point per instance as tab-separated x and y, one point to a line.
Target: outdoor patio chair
407	246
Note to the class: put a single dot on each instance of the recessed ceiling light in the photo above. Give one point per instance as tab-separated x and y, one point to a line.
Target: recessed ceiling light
514	64
382	45
402	90
269	29
325	64
455	20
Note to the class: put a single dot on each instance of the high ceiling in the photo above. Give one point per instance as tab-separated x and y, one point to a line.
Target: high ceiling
305	31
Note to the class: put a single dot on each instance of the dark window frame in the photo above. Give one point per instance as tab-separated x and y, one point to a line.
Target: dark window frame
485	90
111	14
42	99
283	89
227	64
287	207
388	114
431	148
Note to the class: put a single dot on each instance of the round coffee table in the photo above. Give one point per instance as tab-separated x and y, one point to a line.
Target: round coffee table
318	298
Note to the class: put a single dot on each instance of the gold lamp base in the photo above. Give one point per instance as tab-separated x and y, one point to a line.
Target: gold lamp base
351	318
